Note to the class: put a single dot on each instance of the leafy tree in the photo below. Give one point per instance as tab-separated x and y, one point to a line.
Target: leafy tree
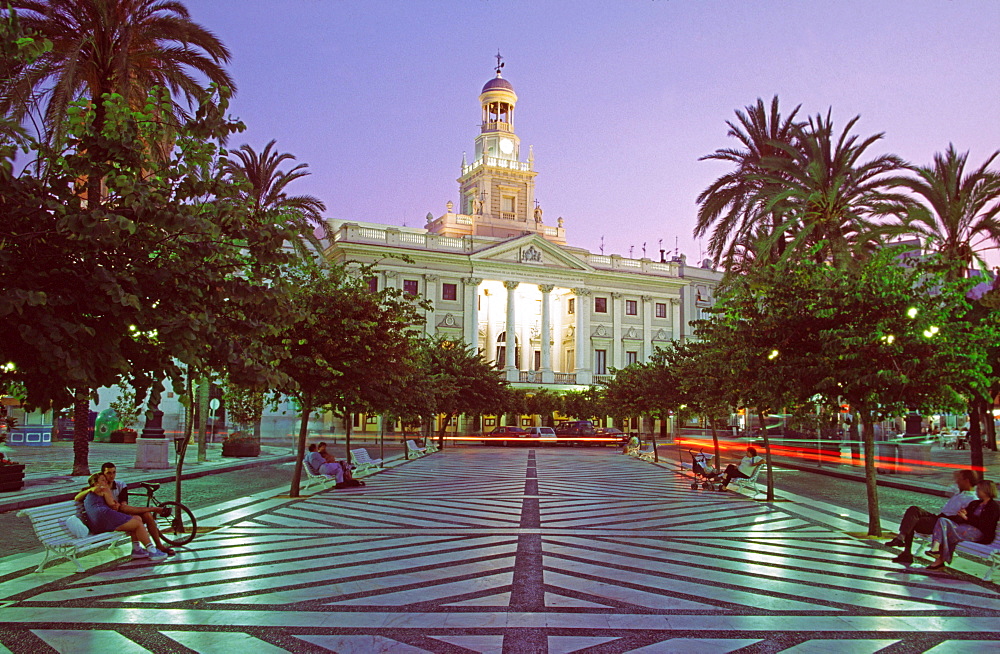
156	278
584	405
461	381
345	348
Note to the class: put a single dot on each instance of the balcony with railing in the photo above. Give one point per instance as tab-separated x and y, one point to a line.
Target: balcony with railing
497	162
644	266
497	126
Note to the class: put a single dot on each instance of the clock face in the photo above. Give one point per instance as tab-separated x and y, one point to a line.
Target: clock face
506	146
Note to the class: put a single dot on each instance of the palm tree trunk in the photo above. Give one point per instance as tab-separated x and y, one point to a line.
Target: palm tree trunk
348	425
81	433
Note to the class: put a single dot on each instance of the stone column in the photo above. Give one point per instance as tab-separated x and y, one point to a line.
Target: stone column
471	319
675	318
647	328
391	279
617	312
548	376
431	293
510	329
584	374
491	333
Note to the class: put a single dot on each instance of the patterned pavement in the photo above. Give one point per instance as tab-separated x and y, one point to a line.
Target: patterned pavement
505	551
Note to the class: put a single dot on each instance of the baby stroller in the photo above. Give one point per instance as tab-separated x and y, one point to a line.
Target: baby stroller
705	474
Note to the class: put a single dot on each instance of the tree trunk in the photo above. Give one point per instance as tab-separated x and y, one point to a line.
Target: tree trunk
301	454
871	473
715	442
181	448
991	425
976	433
81	433
348	425
203	395
444	427
767	457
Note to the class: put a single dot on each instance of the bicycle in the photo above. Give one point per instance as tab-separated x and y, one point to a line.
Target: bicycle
178	526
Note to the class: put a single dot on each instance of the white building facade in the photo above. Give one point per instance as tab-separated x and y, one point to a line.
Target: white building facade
506	283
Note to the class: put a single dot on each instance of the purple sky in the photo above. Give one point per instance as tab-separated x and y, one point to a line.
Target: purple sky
619	99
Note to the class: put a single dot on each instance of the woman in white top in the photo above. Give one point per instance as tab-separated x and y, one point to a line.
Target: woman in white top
748	465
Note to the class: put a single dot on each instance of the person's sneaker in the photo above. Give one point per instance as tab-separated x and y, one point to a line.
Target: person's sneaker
896	542
904	558
140	552
156	555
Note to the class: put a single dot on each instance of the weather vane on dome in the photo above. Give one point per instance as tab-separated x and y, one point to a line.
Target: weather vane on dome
499	63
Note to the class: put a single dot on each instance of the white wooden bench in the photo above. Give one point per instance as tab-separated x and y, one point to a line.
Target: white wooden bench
646	453
50	525
411	447
430	445
362	460
988	552
750	481
315	478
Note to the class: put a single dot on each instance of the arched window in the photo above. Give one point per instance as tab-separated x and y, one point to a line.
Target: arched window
501	360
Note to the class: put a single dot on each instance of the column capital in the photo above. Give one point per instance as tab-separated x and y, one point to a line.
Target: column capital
615	295
546	288
581	291
510	286
430	278
674	301
646	298
473	281
390	274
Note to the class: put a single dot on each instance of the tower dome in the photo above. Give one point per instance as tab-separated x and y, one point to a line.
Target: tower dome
498	83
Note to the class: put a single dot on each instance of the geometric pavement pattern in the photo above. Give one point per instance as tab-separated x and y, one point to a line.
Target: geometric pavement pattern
487	550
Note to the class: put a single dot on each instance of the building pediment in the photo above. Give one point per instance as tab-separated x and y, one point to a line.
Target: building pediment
531	250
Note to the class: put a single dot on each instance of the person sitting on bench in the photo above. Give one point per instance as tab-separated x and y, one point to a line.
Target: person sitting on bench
976	522
104	515
748	465
918	521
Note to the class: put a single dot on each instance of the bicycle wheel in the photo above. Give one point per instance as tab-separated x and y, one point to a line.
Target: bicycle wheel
180	527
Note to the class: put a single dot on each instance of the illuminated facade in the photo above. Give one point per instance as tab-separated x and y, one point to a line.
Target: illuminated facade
505	282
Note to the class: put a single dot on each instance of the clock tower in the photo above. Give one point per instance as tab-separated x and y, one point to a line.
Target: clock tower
497	189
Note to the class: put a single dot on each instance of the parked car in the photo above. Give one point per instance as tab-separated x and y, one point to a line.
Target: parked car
506	435
544	434
567	432
613	432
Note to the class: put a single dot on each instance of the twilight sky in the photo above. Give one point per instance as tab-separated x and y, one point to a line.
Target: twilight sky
619	99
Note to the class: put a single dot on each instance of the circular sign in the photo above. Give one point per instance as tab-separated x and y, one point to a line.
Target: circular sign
214	404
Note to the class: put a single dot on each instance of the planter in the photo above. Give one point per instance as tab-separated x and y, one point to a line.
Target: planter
241	449
124	436
11	477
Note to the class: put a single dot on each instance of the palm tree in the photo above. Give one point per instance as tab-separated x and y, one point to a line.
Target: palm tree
265	188
958	213
731	207
113	46
833	201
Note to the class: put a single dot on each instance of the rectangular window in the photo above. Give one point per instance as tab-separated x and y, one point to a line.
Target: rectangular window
600	362
538	360
373	284
600	305
631	308
571	306
357	420
661	310
507	203
631	357
410	286
449	291
570	360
